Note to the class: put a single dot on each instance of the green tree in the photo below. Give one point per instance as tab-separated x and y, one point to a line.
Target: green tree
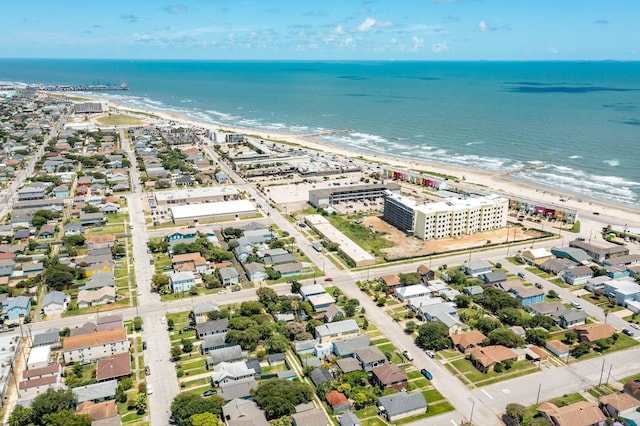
241	323
276	344
52	401
540	321
295	286
141	403
511	316
21	416
381	301
278	397
462	301
204	419
433	335
187	346
251	307
516	412
537	336
176	353
161	283
487	324
186	405
247	339
495	299
58	280
410	327
570	337
411	278
170	324
552	294
580	349
137	323
67	417
505	337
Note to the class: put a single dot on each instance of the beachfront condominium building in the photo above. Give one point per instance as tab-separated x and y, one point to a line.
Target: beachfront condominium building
450	218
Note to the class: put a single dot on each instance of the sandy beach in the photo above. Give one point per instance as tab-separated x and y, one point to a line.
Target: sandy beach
592	212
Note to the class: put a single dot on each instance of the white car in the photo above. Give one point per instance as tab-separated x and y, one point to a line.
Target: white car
163	320
430	353
149	389
139	292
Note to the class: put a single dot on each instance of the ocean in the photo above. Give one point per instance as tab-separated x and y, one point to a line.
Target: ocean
579	120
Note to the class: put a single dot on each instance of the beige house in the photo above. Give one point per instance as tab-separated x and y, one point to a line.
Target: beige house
92	346
485	358
339	330
579	413
101	296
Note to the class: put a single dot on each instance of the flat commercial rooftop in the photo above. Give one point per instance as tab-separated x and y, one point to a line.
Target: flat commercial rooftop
195	193
222	208
321	225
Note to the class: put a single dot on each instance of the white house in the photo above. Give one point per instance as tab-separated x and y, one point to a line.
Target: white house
408	292
55	303
182	281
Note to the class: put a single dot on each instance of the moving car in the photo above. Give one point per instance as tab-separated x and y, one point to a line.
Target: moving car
426	373
328	279
407	355
430	353
521	275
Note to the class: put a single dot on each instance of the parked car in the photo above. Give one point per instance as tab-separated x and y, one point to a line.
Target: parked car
426	373
147	371
407	355
634	325
430	353
144	346
521	275
328	279
209	392
149	389
627	332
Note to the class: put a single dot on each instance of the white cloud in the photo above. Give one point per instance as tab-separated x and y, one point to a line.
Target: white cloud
483	26
418	43
367	25
440	47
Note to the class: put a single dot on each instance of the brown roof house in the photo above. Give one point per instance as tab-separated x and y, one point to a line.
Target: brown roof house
485	358
614	403
467	340
391	280
115	367
632	387
99	410
92	346
582	413
338	401
594	332
389	376
426	273
557	348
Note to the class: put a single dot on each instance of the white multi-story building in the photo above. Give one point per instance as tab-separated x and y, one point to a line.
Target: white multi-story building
450	218
96	345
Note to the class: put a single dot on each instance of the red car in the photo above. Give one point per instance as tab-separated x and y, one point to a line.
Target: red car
147	370
328	279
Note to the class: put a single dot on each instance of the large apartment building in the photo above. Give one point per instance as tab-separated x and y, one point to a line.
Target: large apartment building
96	345
450	218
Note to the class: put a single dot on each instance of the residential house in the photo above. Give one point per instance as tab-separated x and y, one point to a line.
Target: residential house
339	330
240	389
97	241
47	231
190	262
527	295
94	268
109	208
493	278
109	322
445	313
632	387
389	376
213	342
92	346
408	292
545	308
209	328
55	303
485	358
92	219
401	405
229	276
331	312
593	332
473	290
37	381
51	337
182	281
100	279
202	309
280	256
32	268
578	413
255	271
557	266
426	274
226	354
467	340
337	401
321	302
314	417
101	296
476	268
180	234
348	347
599	254
320	376
577	275
226	372
117	366
15	307
289	269
6	267
304	348
311	290
536	256
276	359
350	419
97	392
370	357
242	412
391	281
568	318
347	365
616	402
624	291
105	412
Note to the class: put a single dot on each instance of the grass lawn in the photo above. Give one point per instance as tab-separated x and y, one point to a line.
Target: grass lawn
375	421
413	374
432	395
418	384
119	120
367	412
379	342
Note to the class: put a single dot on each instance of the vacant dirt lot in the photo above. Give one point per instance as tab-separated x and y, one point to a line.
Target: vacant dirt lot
408	246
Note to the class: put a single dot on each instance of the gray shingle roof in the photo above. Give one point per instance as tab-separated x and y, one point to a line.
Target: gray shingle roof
402	402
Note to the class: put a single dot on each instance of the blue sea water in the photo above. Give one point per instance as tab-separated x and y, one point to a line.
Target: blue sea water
581	120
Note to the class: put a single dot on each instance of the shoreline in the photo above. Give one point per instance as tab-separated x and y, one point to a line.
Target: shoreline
497	182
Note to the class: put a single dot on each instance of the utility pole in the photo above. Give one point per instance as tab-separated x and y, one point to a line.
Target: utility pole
601	372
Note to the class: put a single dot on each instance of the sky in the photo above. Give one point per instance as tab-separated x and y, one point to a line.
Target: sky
322	29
